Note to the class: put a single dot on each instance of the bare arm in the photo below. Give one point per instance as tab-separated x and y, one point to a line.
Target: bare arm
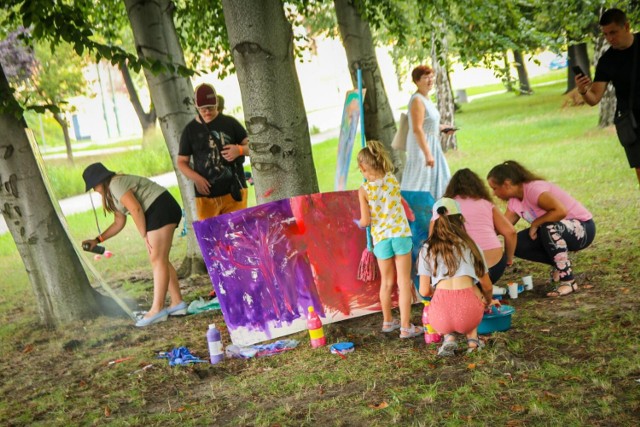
591	92
555	211
487	288
134	207
119	221
232	151
201	183
507	230
425	286
365	215
511	216
417	112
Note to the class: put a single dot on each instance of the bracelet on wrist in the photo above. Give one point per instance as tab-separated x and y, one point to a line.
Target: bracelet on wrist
100	239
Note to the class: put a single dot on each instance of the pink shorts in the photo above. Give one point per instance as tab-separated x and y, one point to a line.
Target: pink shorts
457	310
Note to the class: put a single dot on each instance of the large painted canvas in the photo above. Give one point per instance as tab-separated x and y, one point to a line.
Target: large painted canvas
269	263
348	129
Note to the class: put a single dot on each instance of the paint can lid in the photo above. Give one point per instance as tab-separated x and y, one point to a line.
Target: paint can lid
342	347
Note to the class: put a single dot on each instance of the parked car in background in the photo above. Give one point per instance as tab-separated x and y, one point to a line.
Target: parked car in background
559	62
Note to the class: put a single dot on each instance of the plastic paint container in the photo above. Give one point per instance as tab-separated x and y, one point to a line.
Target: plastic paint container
342	347
498	320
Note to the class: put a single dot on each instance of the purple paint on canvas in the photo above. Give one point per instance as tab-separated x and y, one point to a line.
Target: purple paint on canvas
260	277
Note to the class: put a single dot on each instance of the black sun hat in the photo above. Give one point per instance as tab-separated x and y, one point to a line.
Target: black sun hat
95	174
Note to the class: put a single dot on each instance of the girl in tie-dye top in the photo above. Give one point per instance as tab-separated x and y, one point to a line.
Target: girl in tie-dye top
381	209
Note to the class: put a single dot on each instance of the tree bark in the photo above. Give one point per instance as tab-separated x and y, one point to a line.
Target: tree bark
444	94
355	32
65	132
608	102
172	96
523	76
147	120
261	41
508	82
60	285
577	54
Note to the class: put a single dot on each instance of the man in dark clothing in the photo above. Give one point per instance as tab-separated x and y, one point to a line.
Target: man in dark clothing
616	66
217	144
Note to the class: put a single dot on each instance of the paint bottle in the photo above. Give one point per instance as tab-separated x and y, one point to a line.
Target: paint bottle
316	333
430	335
215	345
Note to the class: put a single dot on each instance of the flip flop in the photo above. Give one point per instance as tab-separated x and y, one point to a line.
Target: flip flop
411	332
573	286
390	326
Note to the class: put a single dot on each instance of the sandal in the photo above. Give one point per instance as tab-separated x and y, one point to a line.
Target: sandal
448	348
479	345
573	287
411	332
390	326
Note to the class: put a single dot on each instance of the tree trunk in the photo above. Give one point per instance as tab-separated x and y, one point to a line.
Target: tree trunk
523	76
379	122
261	41
60	285
444	94
608	102
577	54
147	120
506	79
172	96
65	132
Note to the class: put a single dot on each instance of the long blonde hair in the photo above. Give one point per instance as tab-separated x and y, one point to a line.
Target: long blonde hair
375	156
448	240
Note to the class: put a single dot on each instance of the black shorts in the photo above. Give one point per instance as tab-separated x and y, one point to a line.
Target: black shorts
633	154
164	210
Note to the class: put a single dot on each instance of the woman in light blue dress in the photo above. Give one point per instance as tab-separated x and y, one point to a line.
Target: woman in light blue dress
426	168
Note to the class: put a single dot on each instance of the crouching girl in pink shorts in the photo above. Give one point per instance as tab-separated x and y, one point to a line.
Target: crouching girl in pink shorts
450	264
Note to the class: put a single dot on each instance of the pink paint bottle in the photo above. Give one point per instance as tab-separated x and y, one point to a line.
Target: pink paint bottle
316	333
430	335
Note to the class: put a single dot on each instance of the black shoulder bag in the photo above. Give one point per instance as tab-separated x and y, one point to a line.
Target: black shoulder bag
228	168
626	125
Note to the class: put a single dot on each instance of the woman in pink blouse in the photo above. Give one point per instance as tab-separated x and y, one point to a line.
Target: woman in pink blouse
559	223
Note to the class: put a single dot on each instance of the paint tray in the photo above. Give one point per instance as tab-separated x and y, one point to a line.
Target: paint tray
498	320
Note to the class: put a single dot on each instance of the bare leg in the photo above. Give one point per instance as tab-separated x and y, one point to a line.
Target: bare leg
387	280
405	288
638	175
160	241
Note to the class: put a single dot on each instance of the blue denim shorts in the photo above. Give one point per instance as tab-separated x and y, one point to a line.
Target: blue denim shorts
388	248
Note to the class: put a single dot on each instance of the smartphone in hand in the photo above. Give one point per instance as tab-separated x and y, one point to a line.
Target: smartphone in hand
577	70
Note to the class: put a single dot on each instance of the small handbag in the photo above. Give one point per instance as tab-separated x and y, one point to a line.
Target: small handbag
625	122
400	139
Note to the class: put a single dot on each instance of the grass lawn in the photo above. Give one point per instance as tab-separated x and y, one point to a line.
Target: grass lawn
567	361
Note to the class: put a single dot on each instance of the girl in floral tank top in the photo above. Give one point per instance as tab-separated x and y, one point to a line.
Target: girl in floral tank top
381	209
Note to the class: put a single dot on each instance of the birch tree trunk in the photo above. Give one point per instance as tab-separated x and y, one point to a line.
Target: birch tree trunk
608	102
444	94
65	132
172	95
379	122
147	120
261	40
523	76
60	285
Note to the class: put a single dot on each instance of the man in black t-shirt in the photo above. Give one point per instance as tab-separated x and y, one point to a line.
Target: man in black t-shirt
616	66
217	144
